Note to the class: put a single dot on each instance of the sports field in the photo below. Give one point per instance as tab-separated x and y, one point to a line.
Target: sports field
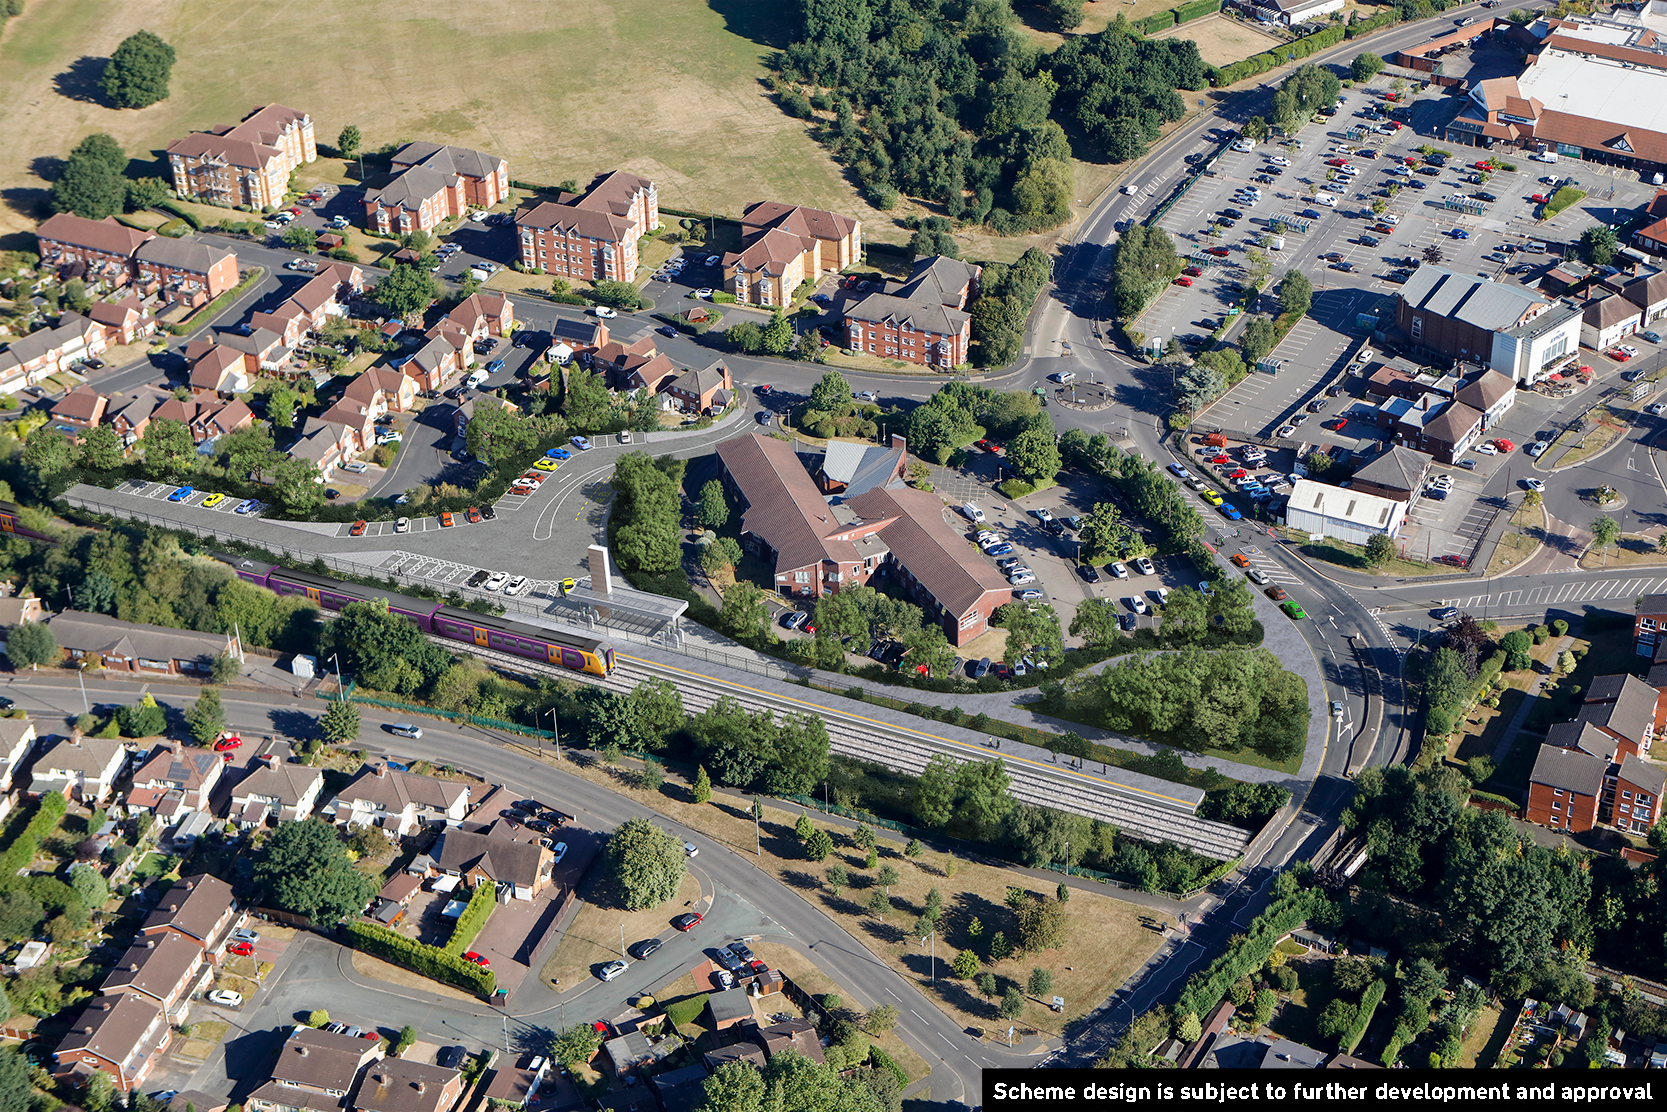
667	88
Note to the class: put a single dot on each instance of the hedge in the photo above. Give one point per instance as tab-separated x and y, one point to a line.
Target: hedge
169	206
1185	13
431	961
683	1012
1367	26
474	917
20	853
1392	1050
1363	1016
1262	63
880	1060
1207	989
218	305
1154	23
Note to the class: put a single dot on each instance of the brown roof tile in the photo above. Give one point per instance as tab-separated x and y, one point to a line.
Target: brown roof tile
195	904
107	235
934	553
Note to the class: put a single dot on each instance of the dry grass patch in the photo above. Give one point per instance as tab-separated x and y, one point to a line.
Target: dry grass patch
1106	940
593	938
1630	550
377	969
1222	41
808	976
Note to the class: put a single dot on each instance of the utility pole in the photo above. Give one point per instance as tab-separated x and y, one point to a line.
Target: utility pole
556	731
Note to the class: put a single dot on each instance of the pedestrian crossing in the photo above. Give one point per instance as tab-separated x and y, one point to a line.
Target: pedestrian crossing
1268	566
1620	591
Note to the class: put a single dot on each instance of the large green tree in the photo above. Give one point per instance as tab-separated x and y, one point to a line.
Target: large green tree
47	452
831	394
1296	293
408	289
1104	534
349	140
1365	67
498	432
207	716
31	644
1035	455
168	446
714	505
646	863
295	482
306	870
88	187
138	71
101	449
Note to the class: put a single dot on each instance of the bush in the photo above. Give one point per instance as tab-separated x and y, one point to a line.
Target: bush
430	961
474	917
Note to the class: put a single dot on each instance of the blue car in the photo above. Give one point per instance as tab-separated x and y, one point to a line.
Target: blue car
1652	337
999	550
181	494
495	366
1227	510
580	443
666	330
1459	233
559	453
248	505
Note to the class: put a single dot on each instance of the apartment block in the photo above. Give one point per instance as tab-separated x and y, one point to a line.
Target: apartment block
244	164
591	236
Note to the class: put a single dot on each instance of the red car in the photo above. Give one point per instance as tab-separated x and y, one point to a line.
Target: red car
1277	594
1221	251
1337	162
1221	459
1618	355
1192	271
1337	425
766	389
241	949
474	515
1504	445
1239	473
990	446
1183	280
688	922
230	741
476	958
1483	165
1456	561
358	529
1540	199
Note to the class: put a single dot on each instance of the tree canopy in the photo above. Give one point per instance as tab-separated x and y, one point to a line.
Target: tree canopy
138	72
646	863
306	870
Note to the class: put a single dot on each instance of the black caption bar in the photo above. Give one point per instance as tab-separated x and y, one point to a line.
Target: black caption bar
1065	1090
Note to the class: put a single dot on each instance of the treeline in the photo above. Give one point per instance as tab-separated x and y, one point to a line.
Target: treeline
1006	294
1119	90
1144	263
959	413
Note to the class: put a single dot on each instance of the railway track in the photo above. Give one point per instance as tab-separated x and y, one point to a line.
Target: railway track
1142	813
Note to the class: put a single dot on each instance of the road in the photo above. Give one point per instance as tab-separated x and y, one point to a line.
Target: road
744	901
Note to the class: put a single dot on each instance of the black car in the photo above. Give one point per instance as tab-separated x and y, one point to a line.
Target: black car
1430	171
1054	528
1127	623
1317	405
740	950
644	948
1346	268
1415	184
529	805
479	577
450	1057
1334	390
488	513
1228	223
1488	197
1232	214
1088	572
1369	241
1264	179
5	703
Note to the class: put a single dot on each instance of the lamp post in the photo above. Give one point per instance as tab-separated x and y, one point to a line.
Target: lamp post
555	732
932	937
1067	858
337	659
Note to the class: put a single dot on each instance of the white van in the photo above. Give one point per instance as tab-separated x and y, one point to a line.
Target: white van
1544	156
974	514
1329	200
475	379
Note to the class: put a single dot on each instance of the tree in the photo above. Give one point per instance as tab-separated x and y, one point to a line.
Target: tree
101	146
887	876
499	432
880	1020
207	716
280	406
1516	645
1067	14
295	482
1041	982
138	72
744	610
1104	534
1605	532
88	187
16	1085
1432	254
1380	549
142	719
1336	1019
1188	1028
620	295
965	964
837	875
1598	245
20	915
306	870
1012	1004
168	446
224	668
734	1087
317	1018
47	452
647	863
1042	925
1257	339
831	394
1296	293
1365	67
349	141
101	449
778	335
576	1045
89	884
297	237
31	644
340	721
714	506
1034	455
819	845
703	786
408	289
878	904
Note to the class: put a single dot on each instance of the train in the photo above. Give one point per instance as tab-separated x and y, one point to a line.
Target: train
564	650
11	521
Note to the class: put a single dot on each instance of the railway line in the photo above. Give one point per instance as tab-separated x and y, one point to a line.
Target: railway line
1143	813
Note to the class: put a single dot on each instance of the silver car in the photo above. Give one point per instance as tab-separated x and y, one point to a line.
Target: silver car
613	969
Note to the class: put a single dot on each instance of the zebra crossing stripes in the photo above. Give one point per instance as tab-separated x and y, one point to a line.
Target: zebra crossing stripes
1556	594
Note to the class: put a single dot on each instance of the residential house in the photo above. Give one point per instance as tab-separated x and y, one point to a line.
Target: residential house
483	314
124	321
263	349
616	360
247	164
707	391
135	647
434	183
1625	708
495	858
1500	325
1634	792
399	1085
17	740
1652	237
1564	788
397	803
122	1035
1397	474
46	351
198	908
785	245
315	1072
1649	619
195	1100
326	445
652	374
576	337
219	371
130	413
275	787
436	362
80	768
186	271
922	320
323	296
729	1008
1649	293
207	416
1491	394
174	781
1443	429
395	897
591	237
1605	321
519	1084
682	1090
166	967
82	407
466	410
1346	514
382	390
94	250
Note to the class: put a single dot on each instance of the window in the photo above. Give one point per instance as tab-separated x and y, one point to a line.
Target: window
1417	328
1556	806
1645	797
1558	793
1626	795
801	577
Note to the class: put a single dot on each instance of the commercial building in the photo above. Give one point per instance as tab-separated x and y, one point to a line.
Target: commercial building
1347	515
1513	330
247	164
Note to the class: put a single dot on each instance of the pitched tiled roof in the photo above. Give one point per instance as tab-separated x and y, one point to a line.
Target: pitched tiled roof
114	314
796	219
89	756
320	1059
771	253
397	1085
410	189
187	769
1453	423
1623	705
784	509
108	235
189	255
1608	311
936	554
1399	468
1646	289
447	160
613	192
250	144
113	1027
501	858
1582	736
155	964
282	780
194	904
1569	769
394	789
1651	777
1487	389
592	223
215	364
478	307
76	629
81	404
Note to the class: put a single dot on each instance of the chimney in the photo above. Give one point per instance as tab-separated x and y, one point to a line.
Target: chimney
379	768
301	1050
270	760
897	441
420	1085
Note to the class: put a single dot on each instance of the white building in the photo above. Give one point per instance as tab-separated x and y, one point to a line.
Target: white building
1345	515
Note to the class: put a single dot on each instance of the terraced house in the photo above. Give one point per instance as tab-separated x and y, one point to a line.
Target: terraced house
593	236
93	250
184	271
244	164
434	183
922	319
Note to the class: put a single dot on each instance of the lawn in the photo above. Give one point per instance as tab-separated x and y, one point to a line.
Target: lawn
1485	1040
592	939
1631	549
1107	940
809	977
1521	541
1580	443
1222	41
1353	556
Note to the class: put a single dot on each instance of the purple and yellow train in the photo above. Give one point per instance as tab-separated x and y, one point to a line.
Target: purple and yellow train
581	654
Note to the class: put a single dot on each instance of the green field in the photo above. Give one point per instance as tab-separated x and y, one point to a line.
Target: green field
667	88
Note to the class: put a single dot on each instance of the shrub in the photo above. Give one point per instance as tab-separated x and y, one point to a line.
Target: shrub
474	917
430	961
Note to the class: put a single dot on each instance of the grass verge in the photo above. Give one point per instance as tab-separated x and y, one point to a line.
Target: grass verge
593	937
1520	542
808	976
1560	200
1578	444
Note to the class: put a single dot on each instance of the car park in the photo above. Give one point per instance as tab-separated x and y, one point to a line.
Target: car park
446	520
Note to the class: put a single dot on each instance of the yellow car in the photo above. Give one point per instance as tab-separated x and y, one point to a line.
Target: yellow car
1211	497
568	585
213	500
545	465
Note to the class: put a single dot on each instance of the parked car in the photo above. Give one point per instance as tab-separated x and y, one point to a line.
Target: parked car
613	969
645	948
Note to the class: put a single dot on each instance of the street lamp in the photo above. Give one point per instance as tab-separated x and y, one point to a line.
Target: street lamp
555	732
337	659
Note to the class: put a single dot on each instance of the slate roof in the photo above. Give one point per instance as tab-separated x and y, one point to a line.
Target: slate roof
1646	289
410	189
37	343
784	509
1651	777
1569	769
1400	468
194	905
1476	301
1623	705
90	756
1651	605
698	382
579	333
189	255
938	557
1582	736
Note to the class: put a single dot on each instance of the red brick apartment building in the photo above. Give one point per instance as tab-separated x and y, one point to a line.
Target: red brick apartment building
185	272
245	164
591	237
1592	771
818	548
922	320
104	247
434	183
783	245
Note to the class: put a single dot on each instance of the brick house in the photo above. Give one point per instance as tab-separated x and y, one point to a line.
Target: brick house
1489	393
397	803
784	245
47	351
382	390
592	237
315	1072
1605	321
1623	707
398	1085
219	372
165	967
1653	236
921	320
582	338
200	909
1397	474
173	781
207	416
708	390
82	407
264	351
103	250
434	183
122	1035
494	856
130	414
483	314
326	445
1564	788
79	768
135	647
322	296
436	362
246	164
1443	429
186	271
124	321
1634	792
651	373
275	787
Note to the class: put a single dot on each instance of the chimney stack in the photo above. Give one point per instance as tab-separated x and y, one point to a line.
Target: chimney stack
379	768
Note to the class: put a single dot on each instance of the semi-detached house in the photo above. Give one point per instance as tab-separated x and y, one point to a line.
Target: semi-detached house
174	781
79	768
275	787
165	967
315	1072
185	271
397	803
122	1035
